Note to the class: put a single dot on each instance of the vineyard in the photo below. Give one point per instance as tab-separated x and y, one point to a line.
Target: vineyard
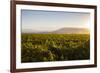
54	47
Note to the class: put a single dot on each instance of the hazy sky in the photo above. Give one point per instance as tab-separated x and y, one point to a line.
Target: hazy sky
53	20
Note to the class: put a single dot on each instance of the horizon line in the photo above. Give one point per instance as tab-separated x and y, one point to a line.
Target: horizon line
56	29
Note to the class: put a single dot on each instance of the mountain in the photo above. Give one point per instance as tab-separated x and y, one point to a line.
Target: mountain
72	31
61	31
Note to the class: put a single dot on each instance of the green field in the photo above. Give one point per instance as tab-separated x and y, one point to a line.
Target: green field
54	47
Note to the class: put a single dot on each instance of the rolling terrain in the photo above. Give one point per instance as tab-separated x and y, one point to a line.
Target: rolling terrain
59	45
60	31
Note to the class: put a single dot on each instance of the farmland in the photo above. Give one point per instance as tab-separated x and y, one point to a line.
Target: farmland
54	47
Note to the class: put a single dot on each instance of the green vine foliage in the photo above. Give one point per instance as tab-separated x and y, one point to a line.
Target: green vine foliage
54	47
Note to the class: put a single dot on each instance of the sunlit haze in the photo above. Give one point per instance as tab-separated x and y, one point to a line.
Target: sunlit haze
39	20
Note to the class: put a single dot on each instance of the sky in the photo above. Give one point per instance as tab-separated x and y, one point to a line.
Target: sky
39	20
